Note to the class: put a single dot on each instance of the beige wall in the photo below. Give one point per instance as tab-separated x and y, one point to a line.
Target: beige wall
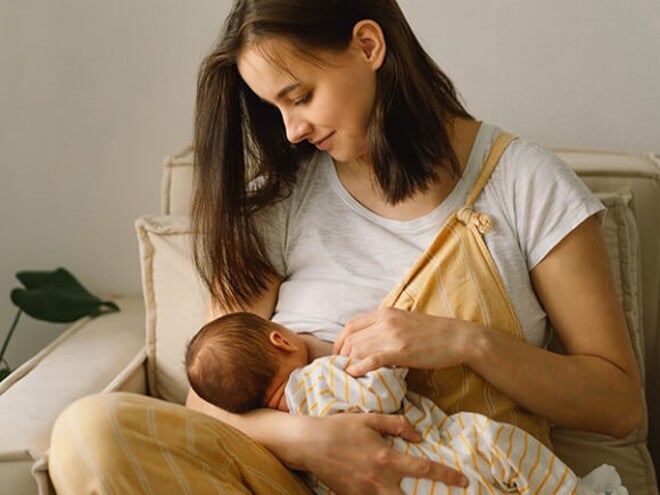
566	73
94	93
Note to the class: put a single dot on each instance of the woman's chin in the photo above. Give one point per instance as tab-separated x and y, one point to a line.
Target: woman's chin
346	157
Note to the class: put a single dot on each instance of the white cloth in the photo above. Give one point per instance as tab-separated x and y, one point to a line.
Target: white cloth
339	259
496	457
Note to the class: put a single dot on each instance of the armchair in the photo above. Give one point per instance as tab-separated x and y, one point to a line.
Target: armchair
127	358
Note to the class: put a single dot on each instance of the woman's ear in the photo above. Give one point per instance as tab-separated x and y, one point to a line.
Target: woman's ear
369	39
282	342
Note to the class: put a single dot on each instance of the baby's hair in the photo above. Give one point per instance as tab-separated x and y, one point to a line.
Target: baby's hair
230	362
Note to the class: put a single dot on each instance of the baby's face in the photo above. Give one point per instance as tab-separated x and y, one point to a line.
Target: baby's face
274	397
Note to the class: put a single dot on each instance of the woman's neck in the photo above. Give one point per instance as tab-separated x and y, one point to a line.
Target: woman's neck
359	180
463	135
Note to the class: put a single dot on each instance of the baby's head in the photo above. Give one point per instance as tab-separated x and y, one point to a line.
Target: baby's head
241	362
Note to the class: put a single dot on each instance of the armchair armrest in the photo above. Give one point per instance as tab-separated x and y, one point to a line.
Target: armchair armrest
94	355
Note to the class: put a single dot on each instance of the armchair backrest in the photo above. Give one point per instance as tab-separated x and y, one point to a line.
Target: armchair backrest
177	186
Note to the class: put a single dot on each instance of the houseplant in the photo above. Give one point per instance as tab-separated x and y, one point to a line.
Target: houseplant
54	296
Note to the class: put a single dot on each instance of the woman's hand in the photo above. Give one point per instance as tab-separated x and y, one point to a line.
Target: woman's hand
390	336
347	452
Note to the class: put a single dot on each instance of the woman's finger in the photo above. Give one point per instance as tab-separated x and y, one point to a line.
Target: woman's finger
352	326
370	363
392	424
417	467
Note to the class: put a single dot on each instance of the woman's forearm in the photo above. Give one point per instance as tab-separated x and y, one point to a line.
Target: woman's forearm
278	431
594	387
575	391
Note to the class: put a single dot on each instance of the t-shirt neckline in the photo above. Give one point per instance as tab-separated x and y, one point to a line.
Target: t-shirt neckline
451	203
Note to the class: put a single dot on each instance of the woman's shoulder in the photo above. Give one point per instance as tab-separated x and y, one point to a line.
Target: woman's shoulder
539	195
527	166
524	156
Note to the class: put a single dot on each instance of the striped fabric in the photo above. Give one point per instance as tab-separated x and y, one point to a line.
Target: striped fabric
456	277
496	457
125	444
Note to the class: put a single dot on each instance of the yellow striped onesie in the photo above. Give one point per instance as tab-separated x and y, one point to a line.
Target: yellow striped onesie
496	457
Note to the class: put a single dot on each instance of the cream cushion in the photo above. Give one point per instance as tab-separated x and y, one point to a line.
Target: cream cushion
176	302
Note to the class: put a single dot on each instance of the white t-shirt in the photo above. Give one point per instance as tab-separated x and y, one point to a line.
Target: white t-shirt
339	259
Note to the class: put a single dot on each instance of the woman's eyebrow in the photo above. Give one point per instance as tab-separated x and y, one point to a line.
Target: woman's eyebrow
286	89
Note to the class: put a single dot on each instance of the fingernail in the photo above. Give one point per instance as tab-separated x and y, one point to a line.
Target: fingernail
463	482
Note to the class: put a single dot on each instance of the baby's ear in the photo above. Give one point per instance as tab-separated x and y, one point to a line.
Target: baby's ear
281	341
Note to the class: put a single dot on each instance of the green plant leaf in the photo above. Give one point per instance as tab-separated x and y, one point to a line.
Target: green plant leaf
57	296
4	373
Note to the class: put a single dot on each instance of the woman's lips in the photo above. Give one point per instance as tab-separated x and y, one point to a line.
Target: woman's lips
324	144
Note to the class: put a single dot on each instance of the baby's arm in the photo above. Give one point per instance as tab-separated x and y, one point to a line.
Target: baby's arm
323	387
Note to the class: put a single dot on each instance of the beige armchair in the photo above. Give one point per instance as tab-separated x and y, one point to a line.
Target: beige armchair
114	352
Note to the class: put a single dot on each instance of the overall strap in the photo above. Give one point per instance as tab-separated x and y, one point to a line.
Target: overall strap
494	155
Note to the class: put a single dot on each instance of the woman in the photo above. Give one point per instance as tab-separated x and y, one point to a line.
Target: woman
330	151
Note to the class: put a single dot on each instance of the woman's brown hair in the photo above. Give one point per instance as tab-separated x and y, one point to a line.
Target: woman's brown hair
238	137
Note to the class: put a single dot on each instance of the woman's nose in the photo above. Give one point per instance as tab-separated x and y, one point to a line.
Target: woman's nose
297	129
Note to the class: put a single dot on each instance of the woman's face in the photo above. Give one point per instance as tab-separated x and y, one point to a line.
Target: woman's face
328	104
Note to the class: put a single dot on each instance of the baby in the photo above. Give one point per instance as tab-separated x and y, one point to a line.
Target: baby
241	361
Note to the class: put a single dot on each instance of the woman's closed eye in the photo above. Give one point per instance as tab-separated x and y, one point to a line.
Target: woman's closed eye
304	99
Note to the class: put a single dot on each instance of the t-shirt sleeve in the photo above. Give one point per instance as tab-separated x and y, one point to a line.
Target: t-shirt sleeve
548	199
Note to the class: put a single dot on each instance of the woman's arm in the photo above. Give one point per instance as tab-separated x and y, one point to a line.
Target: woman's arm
575	286
595	387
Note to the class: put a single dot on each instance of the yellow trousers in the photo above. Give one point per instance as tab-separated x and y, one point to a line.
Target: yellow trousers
123	444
